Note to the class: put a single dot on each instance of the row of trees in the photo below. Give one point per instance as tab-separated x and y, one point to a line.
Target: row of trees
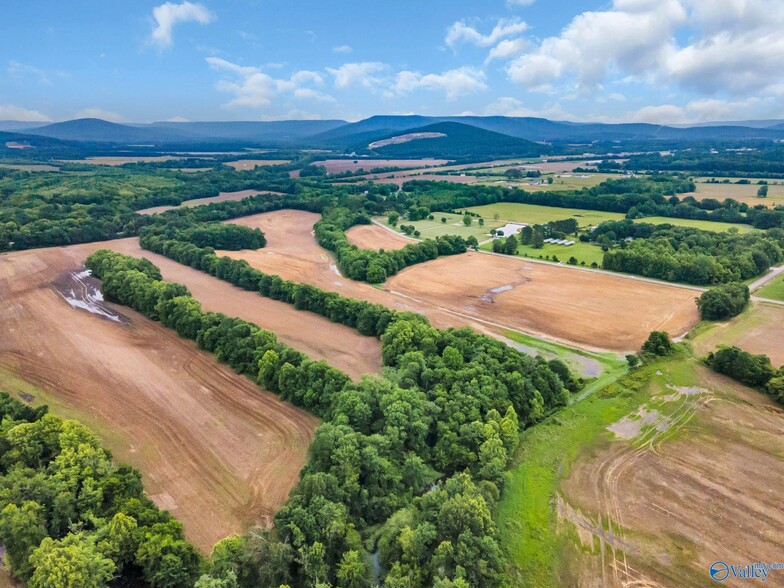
70	517
371	266
420	452
753	370
689	255
369	319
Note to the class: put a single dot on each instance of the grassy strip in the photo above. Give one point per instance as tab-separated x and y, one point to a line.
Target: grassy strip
773	290
525	513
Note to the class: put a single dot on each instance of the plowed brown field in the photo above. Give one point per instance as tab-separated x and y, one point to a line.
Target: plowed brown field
697	486
590	309
375	237
215	449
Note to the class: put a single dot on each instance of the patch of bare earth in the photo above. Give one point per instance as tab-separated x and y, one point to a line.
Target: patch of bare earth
250	164
588	308
662	511
375	237
215	449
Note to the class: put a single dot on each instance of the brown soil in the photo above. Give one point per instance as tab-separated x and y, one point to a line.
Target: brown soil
669	509
222	197
214	448
375	237
336	166
590	309
759	330
114	161
249	164
741	192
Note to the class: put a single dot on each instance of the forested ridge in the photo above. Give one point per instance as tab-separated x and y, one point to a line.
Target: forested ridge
419	451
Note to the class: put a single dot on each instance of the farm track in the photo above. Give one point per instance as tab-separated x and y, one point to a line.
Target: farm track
695	486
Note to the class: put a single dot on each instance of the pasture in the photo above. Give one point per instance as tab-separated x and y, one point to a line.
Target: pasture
214	449
717	227
582	252
773	290
535	214
430	229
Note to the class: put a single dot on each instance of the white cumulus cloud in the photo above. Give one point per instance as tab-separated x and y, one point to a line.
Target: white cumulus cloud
169	14
460	33
11	112
455	82
365	74
252	88
342	49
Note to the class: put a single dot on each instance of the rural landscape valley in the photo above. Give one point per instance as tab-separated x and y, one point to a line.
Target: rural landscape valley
527	330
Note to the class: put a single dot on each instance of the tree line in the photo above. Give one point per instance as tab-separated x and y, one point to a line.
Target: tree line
417	454
69	516
686	254
372	266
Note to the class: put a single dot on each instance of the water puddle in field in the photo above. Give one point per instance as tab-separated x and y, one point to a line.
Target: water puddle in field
490	295
630	426
682	391
81	290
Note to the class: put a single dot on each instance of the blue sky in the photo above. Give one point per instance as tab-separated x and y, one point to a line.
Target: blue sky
671	61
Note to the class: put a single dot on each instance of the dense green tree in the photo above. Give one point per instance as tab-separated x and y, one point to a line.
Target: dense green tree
72	561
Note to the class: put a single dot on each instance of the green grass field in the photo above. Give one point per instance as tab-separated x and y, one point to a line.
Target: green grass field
535	214
773	289
430	229
558	185
583	252
697	224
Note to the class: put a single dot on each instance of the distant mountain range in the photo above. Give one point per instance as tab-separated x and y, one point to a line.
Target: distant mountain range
465	136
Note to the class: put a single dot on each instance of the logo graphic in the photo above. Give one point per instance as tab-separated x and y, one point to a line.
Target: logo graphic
719	571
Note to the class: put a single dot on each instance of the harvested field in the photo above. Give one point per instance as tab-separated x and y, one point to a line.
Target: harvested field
698	484
115	161
401	178
593	310
215	449
222	197
589	308
741	192
316	336
249	164
374	237
337	166
760	330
